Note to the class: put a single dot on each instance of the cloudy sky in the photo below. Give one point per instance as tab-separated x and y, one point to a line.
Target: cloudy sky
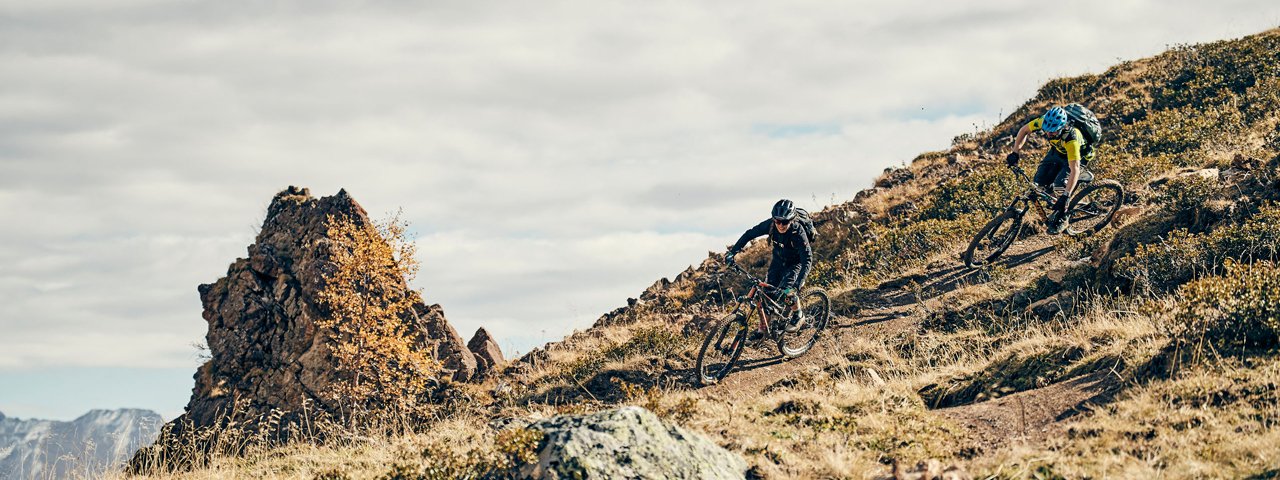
554	158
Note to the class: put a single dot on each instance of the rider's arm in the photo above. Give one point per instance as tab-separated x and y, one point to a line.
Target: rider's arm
1023	132
751	234
1073	161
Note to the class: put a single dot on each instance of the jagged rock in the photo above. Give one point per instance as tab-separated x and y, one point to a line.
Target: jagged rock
487	354
1061	303
894	176
630	443
450	350
656	289
268	349
864	194
1059	273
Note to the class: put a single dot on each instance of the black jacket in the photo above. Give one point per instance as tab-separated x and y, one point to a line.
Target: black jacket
791	247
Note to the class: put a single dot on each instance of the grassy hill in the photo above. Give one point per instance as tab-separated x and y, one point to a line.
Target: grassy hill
1148	349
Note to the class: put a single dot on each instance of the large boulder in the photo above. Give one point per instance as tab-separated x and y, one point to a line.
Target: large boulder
627	443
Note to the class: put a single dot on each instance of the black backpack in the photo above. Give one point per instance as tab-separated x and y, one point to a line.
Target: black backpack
1084	120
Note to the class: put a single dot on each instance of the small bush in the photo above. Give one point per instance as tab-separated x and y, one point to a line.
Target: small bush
1132	171
1188	193
1182	256
891	248
370	314
983	192
510	449
1237	311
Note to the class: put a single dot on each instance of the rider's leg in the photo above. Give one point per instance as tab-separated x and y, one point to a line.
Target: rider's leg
793	280
1058	220
1051	166
777	271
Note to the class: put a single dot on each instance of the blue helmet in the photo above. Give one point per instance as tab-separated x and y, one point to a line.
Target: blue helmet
1054	120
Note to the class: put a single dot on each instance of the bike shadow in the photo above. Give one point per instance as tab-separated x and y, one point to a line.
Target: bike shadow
883	317
946	280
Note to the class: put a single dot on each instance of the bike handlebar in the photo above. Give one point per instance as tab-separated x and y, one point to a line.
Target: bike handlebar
1023	175
749	276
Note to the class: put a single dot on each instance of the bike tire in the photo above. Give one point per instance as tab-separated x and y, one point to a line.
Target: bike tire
816	305
1109	190
1000	245
735	324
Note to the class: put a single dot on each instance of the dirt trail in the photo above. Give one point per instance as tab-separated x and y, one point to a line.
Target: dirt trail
893	308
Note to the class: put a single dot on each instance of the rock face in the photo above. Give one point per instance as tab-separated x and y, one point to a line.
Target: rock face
263	338
487	354
627	443
96	443
268	345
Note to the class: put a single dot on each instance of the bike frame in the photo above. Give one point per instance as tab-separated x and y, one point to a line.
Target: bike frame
755	299
1036	196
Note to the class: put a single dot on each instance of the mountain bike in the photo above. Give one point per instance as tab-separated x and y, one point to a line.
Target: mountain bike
759	310
1088	211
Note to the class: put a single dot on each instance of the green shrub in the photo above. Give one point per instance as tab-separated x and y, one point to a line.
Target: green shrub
1202	74
657	340
1236	311
893	248
1181	131
985	191
1133	171
509	450
1188	193
1182	256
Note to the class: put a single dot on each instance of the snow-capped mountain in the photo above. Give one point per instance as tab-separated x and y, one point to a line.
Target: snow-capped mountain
86	447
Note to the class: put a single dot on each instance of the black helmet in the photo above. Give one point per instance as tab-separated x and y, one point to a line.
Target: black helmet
784	210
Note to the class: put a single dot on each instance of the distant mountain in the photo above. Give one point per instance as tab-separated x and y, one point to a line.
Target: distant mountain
98	441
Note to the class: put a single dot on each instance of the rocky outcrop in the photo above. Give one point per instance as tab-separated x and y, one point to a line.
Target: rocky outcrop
92	445
893	177
450	349
487	354
271	334
627	443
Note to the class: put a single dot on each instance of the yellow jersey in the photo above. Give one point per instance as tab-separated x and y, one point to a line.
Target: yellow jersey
1071	143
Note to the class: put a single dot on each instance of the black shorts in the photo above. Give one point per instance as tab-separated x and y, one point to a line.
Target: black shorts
1054	170
784	274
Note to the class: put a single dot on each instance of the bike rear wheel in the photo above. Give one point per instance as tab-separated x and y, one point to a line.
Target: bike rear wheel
1092	209
721	348
816	306
994	238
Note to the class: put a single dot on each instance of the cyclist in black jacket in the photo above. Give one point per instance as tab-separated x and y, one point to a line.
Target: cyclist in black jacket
792	255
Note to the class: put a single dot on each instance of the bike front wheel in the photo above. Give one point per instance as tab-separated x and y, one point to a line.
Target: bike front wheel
994	238
721	348
816	307
1092	208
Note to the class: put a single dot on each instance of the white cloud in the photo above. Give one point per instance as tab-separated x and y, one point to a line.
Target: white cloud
556	158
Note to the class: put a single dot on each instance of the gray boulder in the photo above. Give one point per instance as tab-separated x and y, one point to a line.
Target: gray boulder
627	443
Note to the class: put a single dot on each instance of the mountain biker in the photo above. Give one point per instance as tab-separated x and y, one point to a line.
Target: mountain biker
792	256
1063	166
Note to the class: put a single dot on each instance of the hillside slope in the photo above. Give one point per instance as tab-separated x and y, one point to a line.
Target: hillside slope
1145	350
1055	359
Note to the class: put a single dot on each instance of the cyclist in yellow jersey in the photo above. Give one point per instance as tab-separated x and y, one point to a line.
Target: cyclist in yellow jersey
1063	166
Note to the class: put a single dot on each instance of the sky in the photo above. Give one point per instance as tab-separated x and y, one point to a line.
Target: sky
554	158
